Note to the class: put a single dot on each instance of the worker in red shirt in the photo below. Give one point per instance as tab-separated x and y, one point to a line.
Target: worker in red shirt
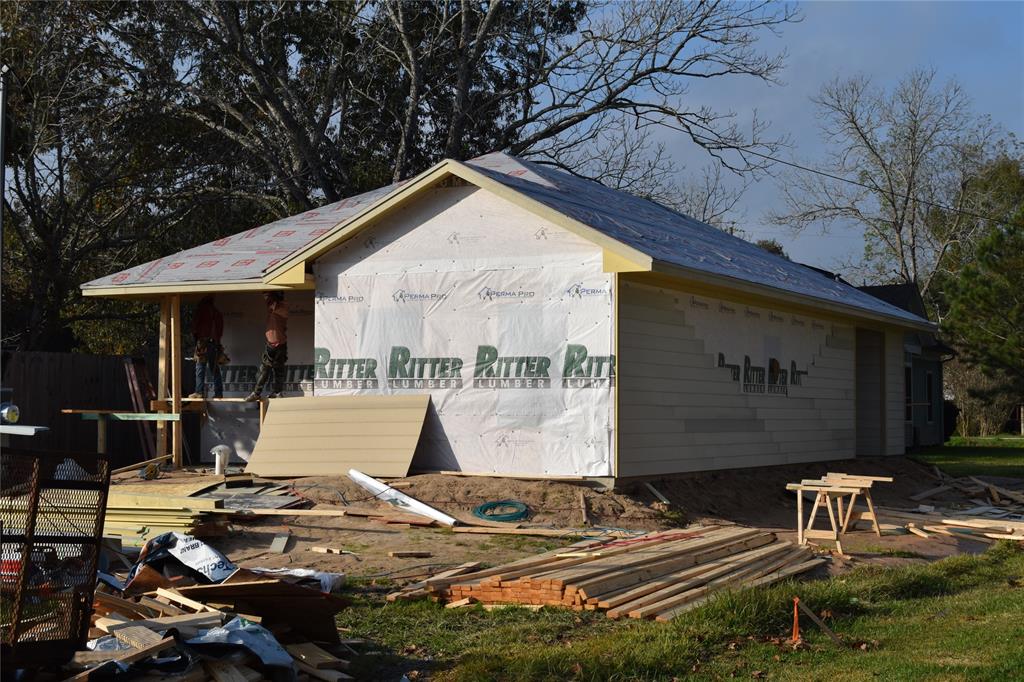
272	364
207	329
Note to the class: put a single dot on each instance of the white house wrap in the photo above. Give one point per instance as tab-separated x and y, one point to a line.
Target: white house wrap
504	318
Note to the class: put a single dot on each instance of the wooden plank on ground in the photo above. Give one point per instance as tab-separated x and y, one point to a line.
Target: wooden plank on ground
931	492
410	554
280	542
327	675
130	656
315	657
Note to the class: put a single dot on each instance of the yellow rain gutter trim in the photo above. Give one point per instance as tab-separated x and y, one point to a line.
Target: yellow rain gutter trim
761	291
148	290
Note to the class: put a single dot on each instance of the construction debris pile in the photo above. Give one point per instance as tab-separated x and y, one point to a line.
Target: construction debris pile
657	575
187	613
997	512
984	523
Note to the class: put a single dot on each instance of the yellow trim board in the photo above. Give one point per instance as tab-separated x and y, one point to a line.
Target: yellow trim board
145	291
675	277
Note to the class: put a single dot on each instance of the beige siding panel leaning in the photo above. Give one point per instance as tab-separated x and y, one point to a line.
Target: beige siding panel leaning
328	435
679	411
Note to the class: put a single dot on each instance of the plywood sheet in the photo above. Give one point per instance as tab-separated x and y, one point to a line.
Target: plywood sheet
328	435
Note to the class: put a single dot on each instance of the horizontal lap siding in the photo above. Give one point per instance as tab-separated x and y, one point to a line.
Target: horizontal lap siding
895	408
679	412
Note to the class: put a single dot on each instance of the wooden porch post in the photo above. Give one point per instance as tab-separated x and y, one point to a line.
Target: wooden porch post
175	348
162	373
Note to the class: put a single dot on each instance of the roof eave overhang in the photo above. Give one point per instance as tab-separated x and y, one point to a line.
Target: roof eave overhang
156	290
802	300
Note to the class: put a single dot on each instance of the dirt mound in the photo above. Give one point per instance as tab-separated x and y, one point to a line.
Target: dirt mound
758	496
554	503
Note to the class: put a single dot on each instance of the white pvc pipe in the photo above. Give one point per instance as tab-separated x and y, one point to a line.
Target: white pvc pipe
384	492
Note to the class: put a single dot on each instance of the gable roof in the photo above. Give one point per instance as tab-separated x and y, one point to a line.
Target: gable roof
641	231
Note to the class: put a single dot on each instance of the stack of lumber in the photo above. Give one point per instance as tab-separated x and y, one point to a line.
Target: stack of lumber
657	575
144	621
137	518
984	523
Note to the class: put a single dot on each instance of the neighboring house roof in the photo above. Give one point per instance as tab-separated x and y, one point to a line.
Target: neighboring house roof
908	297
645	227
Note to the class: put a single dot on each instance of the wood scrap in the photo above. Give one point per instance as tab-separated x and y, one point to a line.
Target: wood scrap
654	491
917	531
280	542
458	604
129	656
1010	494
176	597
931	492
410	554
315	657
327	675
137	636
331	550
585	520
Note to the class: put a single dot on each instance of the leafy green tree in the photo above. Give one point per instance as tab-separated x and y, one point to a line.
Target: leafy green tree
986	306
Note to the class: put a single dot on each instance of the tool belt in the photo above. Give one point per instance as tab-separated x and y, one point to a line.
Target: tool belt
203	349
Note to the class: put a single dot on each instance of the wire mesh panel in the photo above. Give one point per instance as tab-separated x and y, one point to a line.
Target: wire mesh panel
51	527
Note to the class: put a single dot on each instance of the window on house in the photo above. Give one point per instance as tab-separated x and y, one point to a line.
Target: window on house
908	394
929	386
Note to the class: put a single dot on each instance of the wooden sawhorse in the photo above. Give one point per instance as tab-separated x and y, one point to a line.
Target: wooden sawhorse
835	486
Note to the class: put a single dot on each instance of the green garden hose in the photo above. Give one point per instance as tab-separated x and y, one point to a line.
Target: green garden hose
485	511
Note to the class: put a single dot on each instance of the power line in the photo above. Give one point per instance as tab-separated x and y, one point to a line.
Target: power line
839	178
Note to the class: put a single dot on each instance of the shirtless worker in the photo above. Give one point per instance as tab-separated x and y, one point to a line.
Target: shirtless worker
275	355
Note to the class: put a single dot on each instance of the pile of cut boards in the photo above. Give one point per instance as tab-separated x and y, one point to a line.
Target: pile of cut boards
136	518
300	618
984	523
1010	500
658	575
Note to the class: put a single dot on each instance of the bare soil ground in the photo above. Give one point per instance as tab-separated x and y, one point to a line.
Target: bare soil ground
755	497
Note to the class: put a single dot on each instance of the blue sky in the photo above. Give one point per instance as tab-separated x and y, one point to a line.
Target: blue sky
981	44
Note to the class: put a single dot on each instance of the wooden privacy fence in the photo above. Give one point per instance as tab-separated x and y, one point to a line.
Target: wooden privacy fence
45	383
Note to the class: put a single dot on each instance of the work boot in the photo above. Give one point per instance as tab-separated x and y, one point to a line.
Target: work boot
197	395
253	397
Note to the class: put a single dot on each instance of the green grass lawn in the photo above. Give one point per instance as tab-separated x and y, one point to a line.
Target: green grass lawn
956	619
996	456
